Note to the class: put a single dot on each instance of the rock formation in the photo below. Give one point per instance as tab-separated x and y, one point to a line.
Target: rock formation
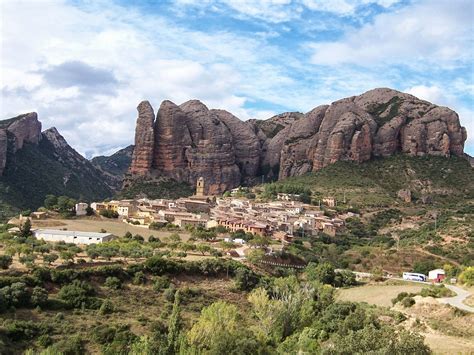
16	131
142	157
191	141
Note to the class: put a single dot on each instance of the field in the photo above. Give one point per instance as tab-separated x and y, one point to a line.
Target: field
446	330
115	227
379	295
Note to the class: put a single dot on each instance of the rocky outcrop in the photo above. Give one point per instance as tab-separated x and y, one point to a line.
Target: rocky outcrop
142	157
191	141
17	131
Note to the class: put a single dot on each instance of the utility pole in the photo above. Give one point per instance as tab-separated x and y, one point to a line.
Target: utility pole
344	196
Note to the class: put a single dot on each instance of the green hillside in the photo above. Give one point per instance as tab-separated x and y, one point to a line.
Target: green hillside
35	171
376	183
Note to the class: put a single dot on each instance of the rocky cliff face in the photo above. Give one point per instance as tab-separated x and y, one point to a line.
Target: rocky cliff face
17	131
191	141
34	164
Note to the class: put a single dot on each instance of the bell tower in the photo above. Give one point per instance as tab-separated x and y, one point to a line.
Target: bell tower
200	187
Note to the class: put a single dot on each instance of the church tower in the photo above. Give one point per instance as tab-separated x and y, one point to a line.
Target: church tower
200	187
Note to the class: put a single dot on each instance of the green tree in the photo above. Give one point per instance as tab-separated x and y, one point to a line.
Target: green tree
467	276
5	261
51	202
25	229
323	273
50	258
216	329
39	296
174	326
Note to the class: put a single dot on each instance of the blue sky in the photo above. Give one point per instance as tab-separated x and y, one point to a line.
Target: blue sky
85	65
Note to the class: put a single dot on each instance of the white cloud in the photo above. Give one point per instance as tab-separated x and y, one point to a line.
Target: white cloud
435	32
139	57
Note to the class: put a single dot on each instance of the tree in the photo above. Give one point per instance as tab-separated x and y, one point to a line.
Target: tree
25	229
67	255
174	326
50	258
50	202
113	283
216	328
467	276
39	296
203	248
5	261
424	266
89	211
76	293
323	273
255	256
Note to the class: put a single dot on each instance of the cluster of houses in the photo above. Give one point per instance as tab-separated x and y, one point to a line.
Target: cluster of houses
281	219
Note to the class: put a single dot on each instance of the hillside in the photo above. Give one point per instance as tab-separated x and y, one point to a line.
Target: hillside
40	163
376	183
115	166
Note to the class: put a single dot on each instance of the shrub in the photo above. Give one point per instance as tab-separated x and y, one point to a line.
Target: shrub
436	292
139	278
109	214
106	307
408	302
169	293
161	283
45	340
78	293
113	283
467	276
245	279
18	330
39	296
5	261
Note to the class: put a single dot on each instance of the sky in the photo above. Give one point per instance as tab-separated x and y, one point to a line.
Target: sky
84	66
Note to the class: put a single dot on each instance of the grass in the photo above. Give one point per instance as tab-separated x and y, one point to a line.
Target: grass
376	183
378	294
113	226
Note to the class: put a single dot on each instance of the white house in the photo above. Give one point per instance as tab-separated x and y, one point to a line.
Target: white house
436	275
52	235
81	208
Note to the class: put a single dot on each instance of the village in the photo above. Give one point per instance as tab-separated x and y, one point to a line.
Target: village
280	220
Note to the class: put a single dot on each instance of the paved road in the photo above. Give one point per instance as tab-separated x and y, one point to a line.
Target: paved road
457	301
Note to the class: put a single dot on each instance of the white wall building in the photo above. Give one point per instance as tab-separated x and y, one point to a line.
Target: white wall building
52	235
81	209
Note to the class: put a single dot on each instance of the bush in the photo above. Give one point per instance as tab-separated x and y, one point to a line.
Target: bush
161	283
113	283
245	279
407	302
39	296
139	278
78	293
5	261
169	293
109	214
45	340
18	330
106	307
436	292
467	276
15	295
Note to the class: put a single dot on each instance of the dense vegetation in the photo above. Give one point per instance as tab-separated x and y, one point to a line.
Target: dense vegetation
36	171
159	188
375	183
148	308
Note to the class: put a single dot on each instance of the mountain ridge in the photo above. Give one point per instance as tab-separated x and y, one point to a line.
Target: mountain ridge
188	141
